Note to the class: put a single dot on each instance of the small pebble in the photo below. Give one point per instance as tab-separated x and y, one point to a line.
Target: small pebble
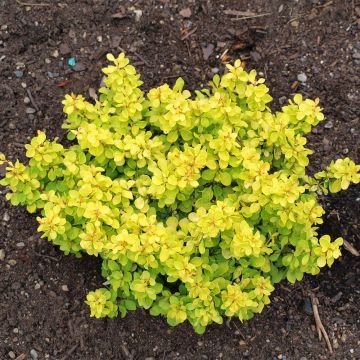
186	13
37	286
329	125
16	331
2	254
26	100
30	110
64	288
138	14
20	244
79	67
19	73
99	38
335	344
302	77
356	55
34	355
6	217
12	262
351	351
47	61
23	85
11	355
282	100
55	53
4	27
307	307
52	75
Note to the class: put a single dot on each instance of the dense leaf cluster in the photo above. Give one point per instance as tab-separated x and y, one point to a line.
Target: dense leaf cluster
197	205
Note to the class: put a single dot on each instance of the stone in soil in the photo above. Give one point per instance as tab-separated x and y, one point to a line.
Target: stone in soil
53	75
302	77
64	49
2	254
186	13
79	67
329	125
30	110
307	307
34	355
19	73
6	217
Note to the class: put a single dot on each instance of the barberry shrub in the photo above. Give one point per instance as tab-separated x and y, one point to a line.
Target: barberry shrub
197	205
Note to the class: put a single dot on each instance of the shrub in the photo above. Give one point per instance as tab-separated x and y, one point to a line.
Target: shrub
197	205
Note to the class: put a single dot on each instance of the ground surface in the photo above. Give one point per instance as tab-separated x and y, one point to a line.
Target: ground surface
319	39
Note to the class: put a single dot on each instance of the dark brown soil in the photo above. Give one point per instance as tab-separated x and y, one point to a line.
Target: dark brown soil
318	38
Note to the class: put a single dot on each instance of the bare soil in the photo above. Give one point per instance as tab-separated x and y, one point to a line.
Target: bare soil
40	317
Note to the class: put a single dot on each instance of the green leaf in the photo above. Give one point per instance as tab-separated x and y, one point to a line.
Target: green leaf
225	179
172	136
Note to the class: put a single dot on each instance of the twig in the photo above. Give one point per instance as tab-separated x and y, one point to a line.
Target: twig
189	33
70	352
21	357
31	4
70	327
46	256
33	102
141	58
228	321
351	248
319	326
172	76
251	17
238	13
82	343
325	5
126	352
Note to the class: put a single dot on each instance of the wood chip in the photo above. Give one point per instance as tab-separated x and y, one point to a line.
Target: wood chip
21	357
241	45
119	16
244	15
239	13
187	32
350	247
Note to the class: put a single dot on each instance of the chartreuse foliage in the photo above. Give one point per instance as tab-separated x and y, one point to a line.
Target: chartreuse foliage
197	205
